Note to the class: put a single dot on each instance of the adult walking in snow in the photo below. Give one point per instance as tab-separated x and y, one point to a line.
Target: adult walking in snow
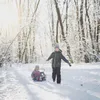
56	57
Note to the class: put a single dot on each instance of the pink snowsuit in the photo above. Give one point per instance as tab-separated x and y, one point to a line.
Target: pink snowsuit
36	75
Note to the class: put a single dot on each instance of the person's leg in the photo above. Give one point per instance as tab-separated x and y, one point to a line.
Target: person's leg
58	75
53	74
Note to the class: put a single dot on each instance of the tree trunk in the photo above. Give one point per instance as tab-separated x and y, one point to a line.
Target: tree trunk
90	28
82	31
57	27
62	30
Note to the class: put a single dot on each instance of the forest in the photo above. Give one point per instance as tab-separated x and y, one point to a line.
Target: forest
29	29
34	32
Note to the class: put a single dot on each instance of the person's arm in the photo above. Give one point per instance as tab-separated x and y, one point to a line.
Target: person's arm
50	57
64	59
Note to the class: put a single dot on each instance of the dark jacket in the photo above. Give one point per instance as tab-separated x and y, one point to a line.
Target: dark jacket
56	59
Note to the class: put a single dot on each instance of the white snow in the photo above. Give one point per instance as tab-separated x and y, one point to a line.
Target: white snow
81	80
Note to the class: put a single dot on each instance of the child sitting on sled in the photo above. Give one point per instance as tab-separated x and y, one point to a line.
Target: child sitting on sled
37	75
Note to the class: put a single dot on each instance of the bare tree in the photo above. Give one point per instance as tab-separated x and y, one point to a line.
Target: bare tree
62	30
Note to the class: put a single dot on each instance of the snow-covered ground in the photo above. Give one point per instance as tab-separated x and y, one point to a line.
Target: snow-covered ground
79	82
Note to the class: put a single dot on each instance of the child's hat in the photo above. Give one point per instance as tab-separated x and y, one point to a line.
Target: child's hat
57	46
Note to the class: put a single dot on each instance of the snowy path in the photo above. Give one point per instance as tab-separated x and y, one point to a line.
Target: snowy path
23	88
39	90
